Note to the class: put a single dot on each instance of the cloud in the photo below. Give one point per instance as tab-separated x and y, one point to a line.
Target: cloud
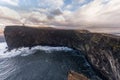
56	12
53	14
33	18
59	18
34	15
53	4
68	7
95	13
11	2
78	1
8	15
99	12
75	14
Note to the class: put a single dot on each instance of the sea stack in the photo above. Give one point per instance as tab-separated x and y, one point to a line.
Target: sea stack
101	50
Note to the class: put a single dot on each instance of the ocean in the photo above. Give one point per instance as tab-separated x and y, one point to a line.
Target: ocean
42	63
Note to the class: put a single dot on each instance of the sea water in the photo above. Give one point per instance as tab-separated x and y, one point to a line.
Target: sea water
42	63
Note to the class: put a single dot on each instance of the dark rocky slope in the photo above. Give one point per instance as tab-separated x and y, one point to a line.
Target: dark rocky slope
101	50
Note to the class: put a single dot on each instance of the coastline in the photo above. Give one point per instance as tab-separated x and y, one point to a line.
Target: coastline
99	48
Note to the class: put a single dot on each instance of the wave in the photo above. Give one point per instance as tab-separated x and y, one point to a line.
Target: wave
25	51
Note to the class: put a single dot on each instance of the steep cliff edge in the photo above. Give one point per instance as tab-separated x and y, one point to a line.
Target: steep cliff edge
101	50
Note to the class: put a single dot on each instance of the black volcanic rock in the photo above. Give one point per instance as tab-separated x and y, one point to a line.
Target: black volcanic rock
101	50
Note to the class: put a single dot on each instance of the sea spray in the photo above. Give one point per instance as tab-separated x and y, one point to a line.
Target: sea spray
24	51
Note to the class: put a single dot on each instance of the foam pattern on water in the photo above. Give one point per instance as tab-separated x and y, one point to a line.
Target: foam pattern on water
24	51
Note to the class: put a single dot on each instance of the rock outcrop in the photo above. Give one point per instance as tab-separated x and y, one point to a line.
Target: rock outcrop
101	50
76	76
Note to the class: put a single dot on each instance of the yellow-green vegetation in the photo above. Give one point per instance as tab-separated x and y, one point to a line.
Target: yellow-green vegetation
96	38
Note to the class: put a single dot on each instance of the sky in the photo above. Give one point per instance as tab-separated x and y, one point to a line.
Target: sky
90	14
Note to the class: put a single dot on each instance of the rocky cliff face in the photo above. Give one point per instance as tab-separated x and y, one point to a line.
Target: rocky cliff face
101	50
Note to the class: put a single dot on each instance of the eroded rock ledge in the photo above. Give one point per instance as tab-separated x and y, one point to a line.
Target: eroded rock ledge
101	50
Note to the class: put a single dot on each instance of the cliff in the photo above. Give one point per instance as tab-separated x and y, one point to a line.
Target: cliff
101	50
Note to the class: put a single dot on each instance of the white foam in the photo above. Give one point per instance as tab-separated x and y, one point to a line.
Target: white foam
26	51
